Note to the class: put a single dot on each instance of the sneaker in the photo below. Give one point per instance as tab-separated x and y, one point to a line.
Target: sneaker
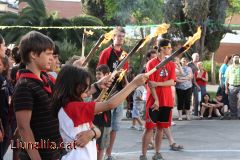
133	127
221	117
227	116
143	157
173	123
150	147
141	128
157	156
109	158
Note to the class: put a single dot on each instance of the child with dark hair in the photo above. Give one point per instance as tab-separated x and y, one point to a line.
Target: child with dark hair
32	97
206	104
55	65
3	48
75	115
5	92
102	120
221	108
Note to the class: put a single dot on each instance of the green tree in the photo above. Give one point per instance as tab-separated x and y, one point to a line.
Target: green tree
115	12
209	14
34	14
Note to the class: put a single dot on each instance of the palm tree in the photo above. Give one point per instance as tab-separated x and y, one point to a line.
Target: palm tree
32	15
35	14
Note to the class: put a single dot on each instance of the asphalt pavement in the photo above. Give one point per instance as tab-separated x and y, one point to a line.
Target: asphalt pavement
202	140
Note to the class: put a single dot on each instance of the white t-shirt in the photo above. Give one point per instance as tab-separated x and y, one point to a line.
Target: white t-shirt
74	118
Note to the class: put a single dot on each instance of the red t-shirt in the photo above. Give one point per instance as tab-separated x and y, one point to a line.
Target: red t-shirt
199	81
165	73
80	112
112	58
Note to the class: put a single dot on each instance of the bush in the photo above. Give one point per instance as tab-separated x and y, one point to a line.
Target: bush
67	49
207	66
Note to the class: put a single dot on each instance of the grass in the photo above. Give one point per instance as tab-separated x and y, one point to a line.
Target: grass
212	95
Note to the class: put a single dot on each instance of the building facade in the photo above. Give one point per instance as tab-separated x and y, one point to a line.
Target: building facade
7	7
64	8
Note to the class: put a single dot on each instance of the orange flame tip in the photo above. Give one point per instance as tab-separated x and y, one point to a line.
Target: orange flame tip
194	38
161	29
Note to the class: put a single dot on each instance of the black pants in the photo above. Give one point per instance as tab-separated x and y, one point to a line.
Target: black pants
184	98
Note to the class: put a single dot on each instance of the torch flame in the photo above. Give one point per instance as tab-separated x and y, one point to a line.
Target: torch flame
88	33
108	36
123	55
161	29
193	39
122	74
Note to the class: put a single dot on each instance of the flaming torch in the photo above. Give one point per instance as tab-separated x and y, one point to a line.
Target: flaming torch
84	39
161	29
184	48
102	40
105	92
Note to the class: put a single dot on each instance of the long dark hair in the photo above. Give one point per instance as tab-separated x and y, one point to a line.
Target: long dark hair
70	84
206	94
5	63
1	39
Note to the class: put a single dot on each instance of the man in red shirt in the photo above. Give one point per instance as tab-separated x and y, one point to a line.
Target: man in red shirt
112	56
159	98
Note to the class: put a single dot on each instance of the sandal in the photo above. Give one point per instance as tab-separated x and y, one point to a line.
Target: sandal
176	147
150	147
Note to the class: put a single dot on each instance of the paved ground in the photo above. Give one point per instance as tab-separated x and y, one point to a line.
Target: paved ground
202	139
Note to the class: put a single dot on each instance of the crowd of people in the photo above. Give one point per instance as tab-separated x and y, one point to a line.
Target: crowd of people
57	112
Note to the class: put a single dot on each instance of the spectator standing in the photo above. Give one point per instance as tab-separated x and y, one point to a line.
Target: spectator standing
184	90
233	86
201	78
195	89
138	105
222	80
5	93
112	56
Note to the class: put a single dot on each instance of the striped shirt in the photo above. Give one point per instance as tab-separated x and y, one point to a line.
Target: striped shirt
29	94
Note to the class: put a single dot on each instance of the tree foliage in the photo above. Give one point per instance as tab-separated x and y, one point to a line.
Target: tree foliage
125	11
234	7
34	14
209	14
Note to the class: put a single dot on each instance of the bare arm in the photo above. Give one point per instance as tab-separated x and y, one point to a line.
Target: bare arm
101	84
205	79
118	98
23	121
227	85
220	78
195	83
84	137
139	98
169	82
1	131
156	102
206	105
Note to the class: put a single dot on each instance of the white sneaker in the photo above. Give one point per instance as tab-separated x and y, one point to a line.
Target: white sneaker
173	123
133	127
141	128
